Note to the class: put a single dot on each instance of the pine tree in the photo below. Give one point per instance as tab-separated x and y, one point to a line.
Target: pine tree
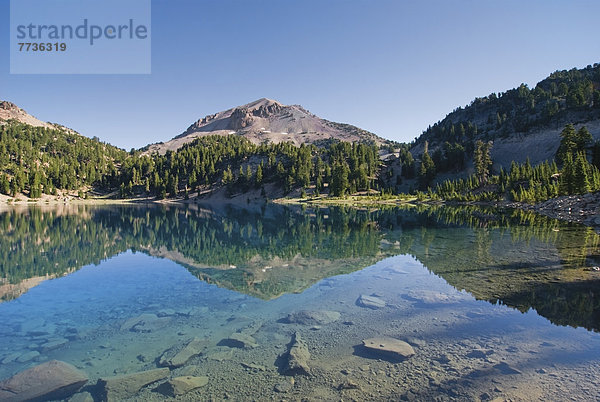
193	180
581	184
259	175
339	179
35	187
426	169
227	175
4	184
568	144
482	160
567	175
583	139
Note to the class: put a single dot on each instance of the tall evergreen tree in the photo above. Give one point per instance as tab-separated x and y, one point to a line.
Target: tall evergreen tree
4	184
426	169
482	160
339	179
259	175
568	143
581	184
583	139
567	175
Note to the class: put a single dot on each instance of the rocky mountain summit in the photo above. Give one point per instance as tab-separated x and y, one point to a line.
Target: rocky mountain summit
267	120
10	111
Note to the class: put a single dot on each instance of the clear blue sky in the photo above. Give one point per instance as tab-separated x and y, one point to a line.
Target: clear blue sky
391	67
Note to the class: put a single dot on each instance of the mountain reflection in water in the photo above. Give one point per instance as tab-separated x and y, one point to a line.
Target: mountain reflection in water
514	258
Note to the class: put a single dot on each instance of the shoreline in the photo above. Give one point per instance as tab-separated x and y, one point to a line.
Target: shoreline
583	209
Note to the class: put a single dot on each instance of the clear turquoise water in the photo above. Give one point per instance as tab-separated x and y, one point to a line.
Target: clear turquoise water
493	308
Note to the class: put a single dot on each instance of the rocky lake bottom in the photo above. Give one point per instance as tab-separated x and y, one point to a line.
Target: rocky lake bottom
122	316
492	317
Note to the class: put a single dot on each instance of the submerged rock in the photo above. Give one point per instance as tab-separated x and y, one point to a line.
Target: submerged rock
297	357
504	368
31	325
172	358
253	367
221	355
189	370
415	341
166	312
145	323
390	347
82	397
29	356
432	297
53	344
239	340
284	386
479	353
11	357
371	302
318	317
182	385
349	384
48	381
124	386
47	329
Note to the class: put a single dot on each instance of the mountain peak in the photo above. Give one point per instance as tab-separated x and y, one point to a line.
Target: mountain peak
261	102
267	120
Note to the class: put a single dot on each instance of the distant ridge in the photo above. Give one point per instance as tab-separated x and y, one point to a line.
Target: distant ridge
266	120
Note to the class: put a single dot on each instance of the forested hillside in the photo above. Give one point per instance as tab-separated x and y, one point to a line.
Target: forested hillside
518	125
524	144
240	165
36	160
572	95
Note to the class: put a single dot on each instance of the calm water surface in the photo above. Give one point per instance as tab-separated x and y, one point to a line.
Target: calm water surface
495	306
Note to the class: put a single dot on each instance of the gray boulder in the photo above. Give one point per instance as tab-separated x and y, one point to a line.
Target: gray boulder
390	347
297	357
182	385
319	317
372	302
125	386
48	381
239	340
145	323
174	359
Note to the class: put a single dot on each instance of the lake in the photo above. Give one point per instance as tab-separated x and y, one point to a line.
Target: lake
492	304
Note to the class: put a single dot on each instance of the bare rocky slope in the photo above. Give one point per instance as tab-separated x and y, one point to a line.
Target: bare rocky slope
266	120
10	111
